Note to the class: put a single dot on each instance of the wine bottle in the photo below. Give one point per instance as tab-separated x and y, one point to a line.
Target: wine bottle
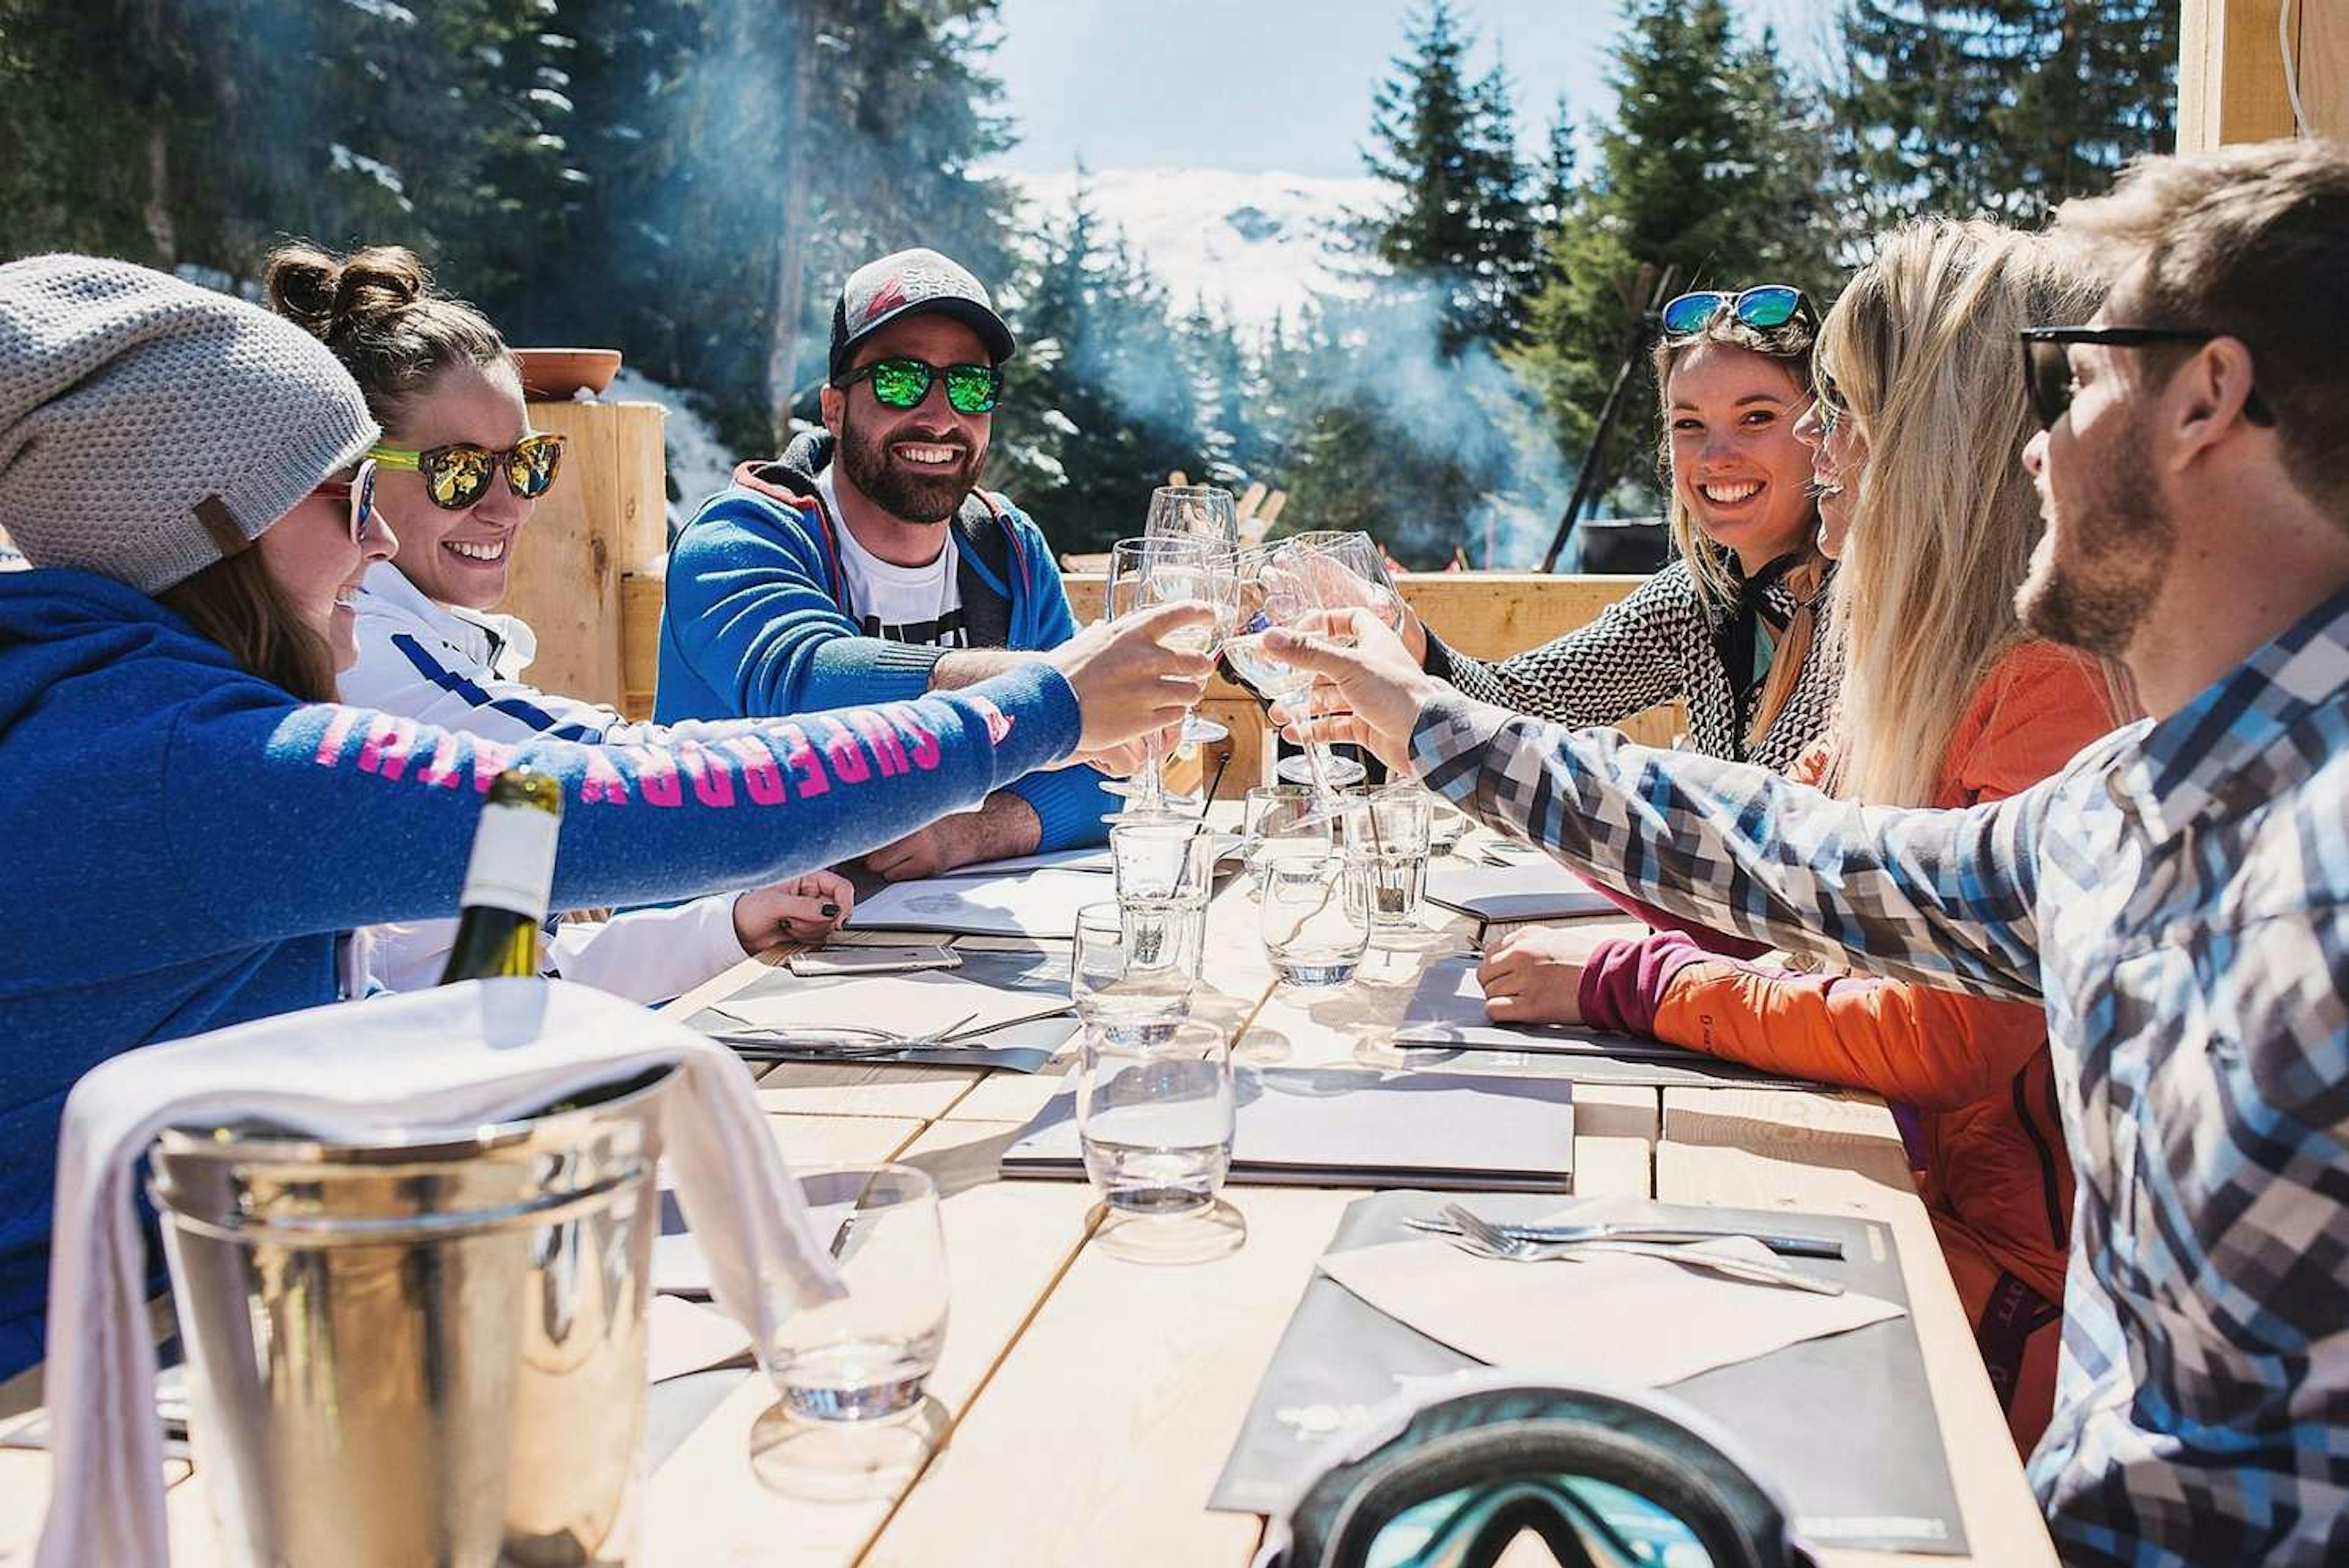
508	879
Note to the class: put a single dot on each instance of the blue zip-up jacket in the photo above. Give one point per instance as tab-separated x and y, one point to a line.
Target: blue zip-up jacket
757	618
185	844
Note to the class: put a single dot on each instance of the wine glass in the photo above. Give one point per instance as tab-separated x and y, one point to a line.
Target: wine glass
1205	512
1275	586
1355	573
1142	575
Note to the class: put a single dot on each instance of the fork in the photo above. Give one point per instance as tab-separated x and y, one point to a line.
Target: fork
1487	1241
1624	1231
822	1043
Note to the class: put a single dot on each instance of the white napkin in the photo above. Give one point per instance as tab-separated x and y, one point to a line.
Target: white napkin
1610	1317
432	1064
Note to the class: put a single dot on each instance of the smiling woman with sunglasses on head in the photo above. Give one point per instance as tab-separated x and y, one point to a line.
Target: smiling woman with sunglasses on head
1730	625
458	472
193	826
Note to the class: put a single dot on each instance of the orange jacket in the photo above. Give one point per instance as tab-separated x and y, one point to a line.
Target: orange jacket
1986	1135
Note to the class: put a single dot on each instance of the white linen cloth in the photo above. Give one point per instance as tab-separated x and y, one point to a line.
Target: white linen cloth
1606	1316
434	1063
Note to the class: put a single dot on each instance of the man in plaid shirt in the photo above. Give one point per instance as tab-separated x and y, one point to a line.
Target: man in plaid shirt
2179	896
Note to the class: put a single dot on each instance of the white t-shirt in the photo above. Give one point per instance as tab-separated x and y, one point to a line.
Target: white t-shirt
920	604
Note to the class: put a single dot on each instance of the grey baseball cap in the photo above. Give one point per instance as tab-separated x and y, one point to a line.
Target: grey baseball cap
906	284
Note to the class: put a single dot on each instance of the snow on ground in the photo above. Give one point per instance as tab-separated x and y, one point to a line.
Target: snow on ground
698	464
1256	244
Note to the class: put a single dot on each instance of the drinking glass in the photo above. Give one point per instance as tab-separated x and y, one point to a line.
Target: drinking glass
1342	571
1387	835
1315	927
1205	512
1144	574
1155	1123
865	1356
1275	811
1274	587
1132	971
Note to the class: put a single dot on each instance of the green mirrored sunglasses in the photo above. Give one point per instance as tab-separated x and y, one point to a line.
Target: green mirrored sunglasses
903	383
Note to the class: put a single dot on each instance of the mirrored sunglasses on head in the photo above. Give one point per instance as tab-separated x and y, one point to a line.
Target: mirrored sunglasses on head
1762	306
360	491
459	474
902	383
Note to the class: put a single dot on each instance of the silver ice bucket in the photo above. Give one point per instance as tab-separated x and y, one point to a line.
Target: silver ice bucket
430	1355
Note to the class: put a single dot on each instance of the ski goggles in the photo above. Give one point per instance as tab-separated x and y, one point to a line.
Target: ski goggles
903	383
360	491
1764	306
459	474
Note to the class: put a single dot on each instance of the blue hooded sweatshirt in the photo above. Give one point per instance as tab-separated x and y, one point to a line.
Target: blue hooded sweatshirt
185	844
757	618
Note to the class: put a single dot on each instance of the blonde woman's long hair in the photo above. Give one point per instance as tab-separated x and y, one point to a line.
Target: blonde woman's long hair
1920	350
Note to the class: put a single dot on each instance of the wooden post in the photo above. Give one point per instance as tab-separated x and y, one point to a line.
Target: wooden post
2231	85
603	518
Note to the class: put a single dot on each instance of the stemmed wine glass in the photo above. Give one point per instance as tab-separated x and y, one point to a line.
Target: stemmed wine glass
1344	571
1205	512
1142	575
1275	586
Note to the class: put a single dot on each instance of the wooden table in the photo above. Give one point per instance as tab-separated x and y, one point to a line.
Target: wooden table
1090	1402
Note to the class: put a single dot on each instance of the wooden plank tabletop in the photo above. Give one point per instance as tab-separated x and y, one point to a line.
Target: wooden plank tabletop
1085	1403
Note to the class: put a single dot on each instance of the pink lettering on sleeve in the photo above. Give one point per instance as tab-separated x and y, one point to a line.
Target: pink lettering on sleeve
847	757
800	757
490	760
388	742
445	771
338	733
762	776
604	784
919	737
999	722
713	786
657	778
879	733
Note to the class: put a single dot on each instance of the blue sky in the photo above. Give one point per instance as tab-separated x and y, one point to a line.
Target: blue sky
1283	85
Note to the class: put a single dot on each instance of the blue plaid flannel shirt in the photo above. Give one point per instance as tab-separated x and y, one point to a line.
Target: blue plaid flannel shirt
2179	896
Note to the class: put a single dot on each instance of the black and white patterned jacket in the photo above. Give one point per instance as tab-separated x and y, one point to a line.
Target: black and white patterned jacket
1659	643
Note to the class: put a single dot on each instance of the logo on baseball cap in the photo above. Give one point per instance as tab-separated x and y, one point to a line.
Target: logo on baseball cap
904	284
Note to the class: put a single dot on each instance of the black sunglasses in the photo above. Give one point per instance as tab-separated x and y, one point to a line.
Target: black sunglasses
903	383
2047	364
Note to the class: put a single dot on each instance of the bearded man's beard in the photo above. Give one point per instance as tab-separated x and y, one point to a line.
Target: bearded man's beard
2117	539
907	493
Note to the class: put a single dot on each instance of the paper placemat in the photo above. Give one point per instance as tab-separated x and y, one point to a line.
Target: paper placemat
1538	889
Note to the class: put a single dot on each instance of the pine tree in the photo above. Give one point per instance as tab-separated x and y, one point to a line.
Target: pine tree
1461	225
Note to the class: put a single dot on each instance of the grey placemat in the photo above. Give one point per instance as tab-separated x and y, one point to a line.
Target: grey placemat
1845	1424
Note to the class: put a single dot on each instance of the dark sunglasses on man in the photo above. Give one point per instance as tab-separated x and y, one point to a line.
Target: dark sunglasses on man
902	384
2047	364
360	491
1762	306
459	474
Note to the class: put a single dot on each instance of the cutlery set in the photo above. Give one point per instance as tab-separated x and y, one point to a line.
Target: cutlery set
1539	1243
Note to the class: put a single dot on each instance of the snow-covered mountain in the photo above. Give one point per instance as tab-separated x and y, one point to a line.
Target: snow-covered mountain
1255	244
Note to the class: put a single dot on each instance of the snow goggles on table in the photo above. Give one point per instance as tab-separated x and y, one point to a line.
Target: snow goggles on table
903	383
459	474
1765	306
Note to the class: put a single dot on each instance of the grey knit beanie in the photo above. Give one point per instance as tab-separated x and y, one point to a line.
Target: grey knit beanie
149	427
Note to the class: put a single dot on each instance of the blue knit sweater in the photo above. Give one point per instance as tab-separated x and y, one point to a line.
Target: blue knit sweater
757	621
185	844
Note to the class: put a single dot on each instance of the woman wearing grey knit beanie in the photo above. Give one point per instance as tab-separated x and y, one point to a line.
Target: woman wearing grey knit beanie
190	836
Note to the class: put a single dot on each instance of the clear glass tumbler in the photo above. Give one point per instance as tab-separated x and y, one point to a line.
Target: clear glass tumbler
1155	1120
867	1355
1135	967
1315	927
1387	837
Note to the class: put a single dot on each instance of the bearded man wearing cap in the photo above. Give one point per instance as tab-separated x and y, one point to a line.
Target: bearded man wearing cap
866	565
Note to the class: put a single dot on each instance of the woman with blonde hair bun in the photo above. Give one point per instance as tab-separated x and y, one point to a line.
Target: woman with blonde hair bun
1924	503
